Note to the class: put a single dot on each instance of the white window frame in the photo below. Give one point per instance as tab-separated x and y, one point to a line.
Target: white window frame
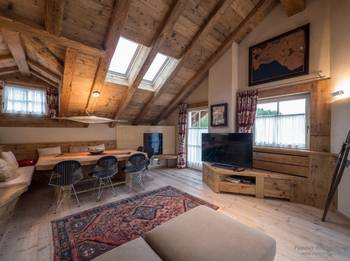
278	99
28	88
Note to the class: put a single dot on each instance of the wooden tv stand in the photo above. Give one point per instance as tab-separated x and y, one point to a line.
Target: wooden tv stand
267	183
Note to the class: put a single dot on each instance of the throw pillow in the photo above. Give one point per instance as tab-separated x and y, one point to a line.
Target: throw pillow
7	171
54	151
10	158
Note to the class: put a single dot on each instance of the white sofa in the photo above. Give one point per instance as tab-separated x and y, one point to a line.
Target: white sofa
10	191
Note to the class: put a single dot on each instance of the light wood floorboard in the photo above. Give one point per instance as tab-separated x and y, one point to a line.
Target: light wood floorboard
297	228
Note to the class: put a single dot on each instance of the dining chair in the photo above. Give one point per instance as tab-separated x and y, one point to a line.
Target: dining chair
64	175
106	167
135	169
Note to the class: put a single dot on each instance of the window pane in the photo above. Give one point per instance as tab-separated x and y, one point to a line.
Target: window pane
155	67
292	107
123	56
24	100
266	109
203	123
194	119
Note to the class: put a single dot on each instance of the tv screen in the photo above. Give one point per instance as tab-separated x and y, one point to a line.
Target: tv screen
153	143
232	149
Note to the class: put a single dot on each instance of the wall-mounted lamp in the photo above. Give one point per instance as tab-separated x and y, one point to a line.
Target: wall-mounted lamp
337	93
96	94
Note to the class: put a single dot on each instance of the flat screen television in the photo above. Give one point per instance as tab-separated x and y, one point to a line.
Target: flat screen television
229	149
153	143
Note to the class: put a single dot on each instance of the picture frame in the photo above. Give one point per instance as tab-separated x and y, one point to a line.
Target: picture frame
281	57
218	115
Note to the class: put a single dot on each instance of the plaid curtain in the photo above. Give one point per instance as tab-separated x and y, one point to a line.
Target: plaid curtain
52	101
182	125
246	109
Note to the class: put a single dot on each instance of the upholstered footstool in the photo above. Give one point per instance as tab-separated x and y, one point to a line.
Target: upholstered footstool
135	250
204	234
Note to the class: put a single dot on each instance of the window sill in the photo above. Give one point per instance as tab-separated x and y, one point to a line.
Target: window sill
19	115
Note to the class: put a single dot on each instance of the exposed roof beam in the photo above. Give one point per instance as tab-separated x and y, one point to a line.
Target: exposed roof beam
34	66
207	26
8	70
292	7
117	22
38	31
14	43
165	30
54	15
258	13
69	68
7	61
43	78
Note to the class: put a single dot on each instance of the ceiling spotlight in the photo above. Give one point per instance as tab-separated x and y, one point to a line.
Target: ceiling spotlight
96	94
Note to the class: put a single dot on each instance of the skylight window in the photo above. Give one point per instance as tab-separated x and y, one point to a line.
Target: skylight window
123	56
156	67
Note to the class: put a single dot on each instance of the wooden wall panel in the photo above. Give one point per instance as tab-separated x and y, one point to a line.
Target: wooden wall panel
29	150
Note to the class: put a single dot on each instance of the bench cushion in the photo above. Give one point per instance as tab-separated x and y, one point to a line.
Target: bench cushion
135	250
203	234
23	178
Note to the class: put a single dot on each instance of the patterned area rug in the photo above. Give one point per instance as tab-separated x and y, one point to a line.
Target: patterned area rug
90	233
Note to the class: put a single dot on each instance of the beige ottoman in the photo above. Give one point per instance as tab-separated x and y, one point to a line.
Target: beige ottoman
203	234
135	250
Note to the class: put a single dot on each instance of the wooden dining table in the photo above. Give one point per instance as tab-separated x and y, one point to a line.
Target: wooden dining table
46	163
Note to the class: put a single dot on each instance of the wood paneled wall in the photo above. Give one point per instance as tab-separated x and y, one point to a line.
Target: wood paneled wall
29	150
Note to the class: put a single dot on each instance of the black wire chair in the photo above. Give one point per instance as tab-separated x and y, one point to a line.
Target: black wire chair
149	152
106	167
64	175
135	168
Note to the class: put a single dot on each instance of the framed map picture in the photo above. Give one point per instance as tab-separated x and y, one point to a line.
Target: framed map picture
218	115
281	57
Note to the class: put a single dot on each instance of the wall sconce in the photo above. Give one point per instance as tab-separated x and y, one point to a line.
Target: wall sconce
337	93
96	94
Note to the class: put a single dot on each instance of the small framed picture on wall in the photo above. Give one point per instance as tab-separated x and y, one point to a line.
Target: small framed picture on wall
218	115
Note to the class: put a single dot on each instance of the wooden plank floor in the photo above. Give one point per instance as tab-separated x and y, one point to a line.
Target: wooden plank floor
299	233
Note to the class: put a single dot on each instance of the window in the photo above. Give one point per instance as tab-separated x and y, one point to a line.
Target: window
123	57
282	122
157	66
197	124
22	100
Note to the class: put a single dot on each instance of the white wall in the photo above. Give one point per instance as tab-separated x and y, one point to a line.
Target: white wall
32	135
340	73
317	13
131	137
223	85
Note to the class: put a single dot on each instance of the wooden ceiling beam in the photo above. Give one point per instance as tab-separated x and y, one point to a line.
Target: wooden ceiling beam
54	16
8	70
14	43
262	7
69	68
292	7
40	32
7	61
34	66
164	32
43	78
206	27
117	22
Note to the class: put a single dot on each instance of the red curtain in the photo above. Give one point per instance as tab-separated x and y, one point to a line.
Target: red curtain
246	110
182	125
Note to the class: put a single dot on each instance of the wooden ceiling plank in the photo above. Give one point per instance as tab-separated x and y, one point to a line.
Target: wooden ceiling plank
191	85
54	16
40	32
7	61
164	32
118	20
34	66
8	70
206	27
292	7
14	43
69	68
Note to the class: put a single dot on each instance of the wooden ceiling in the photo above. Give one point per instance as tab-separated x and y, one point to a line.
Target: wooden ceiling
69	44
